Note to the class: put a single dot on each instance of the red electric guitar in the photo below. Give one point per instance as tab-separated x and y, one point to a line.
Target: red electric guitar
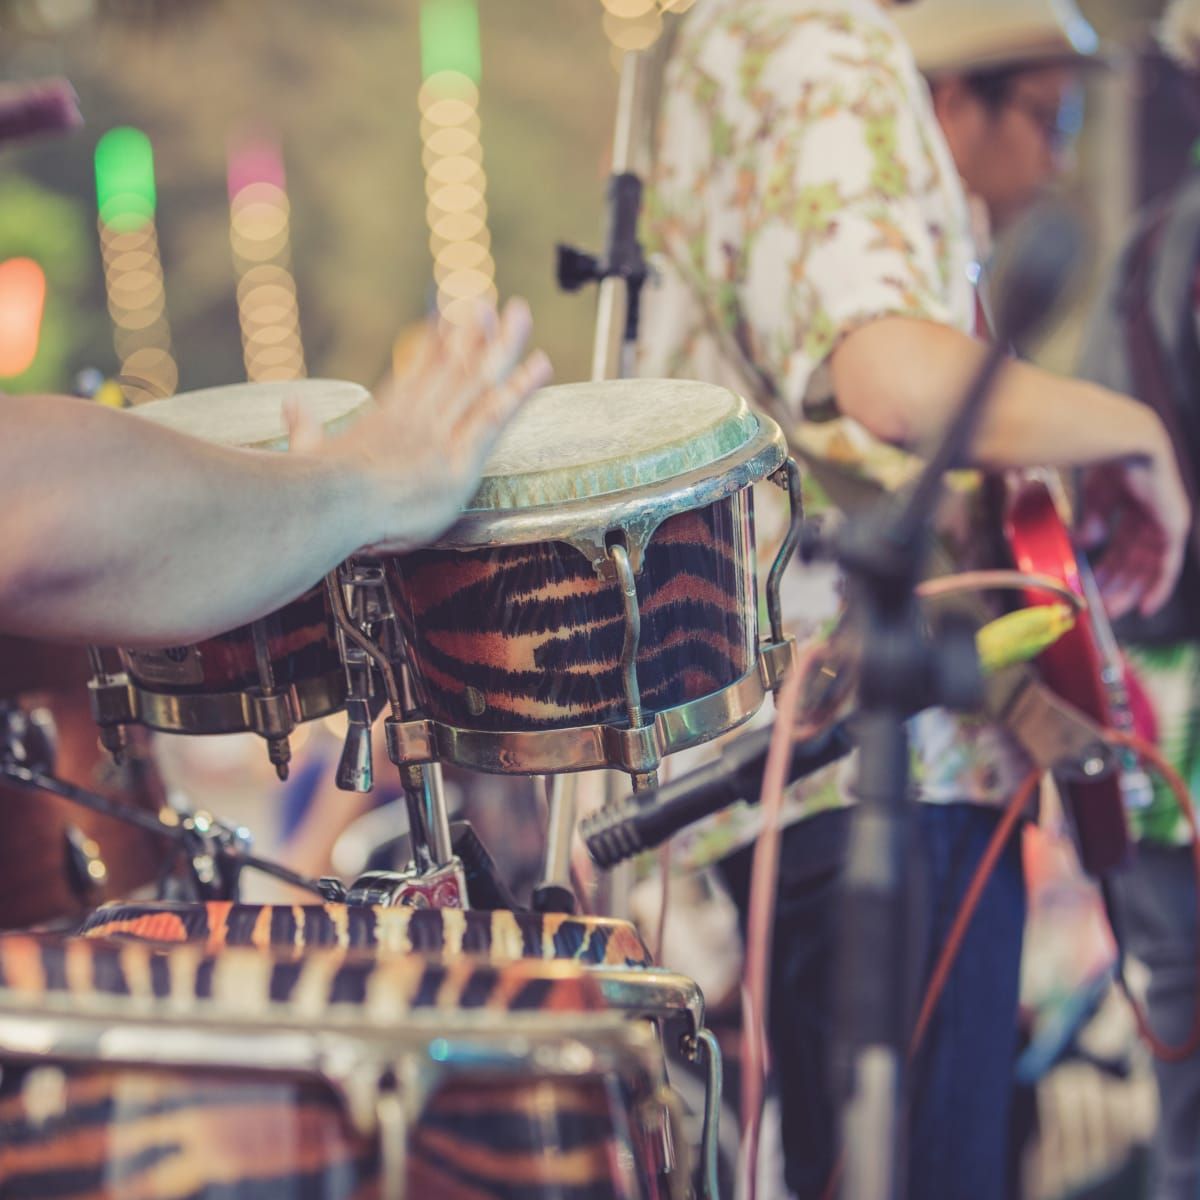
1085	669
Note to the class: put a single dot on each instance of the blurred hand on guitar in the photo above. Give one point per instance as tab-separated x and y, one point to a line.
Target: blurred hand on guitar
1137	512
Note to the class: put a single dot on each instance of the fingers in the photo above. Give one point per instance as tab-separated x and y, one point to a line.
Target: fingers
496	407
304	430
1170	567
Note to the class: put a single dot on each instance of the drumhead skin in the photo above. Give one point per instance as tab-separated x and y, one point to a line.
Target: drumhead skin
250	415
583	440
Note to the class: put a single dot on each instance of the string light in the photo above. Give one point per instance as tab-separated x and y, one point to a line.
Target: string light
22	302
452	154
126	199
260	237
637	24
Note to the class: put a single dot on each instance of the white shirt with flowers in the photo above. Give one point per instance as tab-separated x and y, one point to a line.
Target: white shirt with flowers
803	188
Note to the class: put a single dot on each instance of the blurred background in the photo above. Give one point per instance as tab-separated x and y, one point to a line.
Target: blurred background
333	90
264	211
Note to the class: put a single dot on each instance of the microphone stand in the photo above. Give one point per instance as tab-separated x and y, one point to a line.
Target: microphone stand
620	273
901	671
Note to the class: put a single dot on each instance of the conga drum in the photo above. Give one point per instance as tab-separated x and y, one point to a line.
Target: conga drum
270	675
596	605
58	860
610	950
132	1072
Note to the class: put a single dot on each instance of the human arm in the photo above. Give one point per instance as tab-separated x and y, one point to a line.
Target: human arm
115	530
903	379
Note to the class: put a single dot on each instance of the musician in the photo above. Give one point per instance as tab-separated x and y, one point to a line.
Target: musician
818	255
1143	338
117	531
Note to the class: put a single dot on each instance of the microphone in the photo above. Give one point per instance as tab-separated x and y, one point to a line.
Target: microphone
48	106
647	819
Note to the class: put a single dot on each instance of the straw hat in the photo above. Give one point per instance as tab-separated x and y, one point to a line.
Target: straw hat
955	36
1179	33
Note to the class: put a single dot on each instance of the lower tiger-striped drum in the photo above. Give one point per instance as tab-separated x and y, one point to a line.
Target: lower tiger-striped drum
596	605
264	677
134	1072
614	955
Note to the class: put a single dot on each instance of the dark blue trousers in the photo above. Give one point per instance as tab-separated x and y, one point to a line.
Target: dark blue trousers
960	1087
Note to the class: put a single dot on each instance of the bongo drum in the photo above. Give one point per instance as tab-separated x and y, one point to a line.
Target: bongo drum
270	675
596	605
135	1072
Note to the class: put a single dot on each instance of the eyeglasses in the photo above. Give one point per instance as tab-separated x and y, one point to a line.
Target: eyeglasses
1058	123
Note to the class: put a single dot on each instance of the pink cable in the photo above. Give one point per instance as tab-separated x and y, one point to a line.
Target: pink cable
764	877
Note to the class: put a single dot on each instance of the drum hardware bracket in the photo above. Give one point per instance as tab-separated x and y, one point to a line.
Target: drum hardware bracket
116	700
591	747
278	721
775	661
617	553
707	1051
787	477
443	886
370	604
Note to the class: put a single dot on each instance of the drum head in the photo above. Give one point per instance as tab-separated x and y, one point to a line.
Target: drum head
250	415
583	440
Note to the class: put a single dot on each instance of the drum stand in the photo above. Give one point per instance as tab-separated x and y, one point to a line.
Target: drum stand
369	638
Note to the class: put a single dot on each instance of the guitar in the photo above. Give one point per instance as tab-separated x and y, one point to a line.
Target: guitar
1085	668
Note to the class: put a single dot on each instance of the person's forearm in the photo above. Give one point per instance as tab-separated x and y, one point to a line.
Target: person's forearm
115	530
904	379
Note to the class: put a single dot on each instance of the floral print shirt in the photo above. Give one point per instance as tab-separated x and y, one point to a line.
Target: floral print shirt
802	188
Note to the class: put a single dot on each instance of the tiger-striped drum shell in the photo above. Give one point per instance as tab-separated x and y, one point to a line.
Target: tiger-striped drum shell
137	1071
515	620
202	688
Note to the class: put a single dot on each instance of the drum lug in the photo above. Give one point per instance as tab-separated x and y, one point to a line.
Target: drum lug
774	662
632	750
273	715
410	741
112	701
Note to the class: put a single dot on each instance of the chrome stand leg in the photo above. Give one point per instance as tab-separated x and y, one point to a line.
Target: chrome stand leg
554	893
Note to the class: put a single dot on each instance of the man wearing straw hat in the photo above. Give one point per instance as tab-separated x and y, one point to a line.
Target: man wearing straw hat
1143	338
817	254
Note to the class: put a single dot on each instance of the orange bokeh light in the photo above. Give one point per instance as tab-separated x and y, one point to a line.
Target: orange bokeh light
22	300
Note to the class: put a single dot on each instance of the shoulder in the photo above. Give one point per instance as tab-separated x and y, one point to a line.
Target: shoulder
786	44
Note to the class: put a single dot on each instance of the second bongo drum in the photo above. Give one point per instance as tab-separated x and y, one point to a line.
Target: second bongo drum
596	605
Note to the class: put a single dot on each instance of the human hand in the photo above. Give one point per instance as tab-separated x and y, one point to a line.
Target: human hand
1139	511
421	449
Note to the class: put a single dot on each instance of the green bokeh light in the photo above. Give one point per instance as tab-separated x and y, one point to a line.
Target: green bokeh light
450	38
125	192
